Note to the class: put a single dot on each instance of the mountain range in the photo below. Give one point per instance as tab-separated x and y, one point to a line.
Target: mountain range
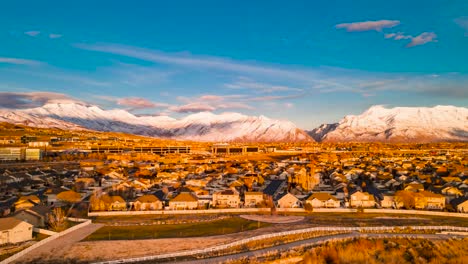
399	124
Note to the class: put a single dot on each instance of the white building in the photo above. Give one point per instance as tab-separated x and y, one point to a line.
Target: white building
13	231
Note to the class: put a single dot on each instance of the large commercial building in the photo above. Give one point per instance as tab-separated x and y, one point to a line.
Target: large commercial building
224	149
11	153
154	150
33	154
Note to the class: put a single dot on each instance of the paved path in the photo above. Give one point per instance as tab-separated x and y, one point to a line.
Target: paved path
60	246
313	241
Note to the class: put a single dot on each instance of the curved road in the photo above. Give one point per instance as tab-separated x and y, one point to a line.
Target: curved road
312	242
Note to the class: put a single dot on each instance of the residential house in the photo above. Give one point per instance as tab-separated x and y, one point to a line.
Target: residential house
362	199
38	215
451	191
147	202
115	203
414	187
226	199
13	230
288	200
323	200
253	199
428	200
28	201
388	201
52	193
183	201
460	204
106	202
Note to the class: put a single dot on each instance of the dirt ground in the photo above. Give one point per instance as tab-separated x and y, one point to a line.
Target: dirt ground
90	251
274	219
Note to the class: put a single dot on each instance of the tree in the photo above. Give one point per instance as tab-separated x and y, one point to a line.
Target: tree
57	220
405	199
69	196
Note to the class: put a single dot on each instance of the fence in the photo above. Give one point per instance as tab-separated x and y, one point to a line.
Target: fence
44	231
274	235
16	256
179	212
280	210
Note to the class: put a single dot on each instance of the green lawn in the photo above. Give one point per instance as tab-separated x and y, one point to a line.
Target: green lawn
218	227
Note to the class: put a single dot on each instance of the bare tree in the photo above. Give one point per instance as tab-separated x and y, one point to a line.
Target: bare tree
57	220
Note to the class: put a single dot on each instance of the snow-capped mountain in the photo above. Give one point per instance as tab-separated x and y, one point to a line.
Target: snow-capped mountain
199	127
399	124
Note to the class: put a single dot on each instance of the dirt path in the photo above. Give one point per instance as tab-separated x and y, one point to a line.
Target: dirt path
56	249
91	251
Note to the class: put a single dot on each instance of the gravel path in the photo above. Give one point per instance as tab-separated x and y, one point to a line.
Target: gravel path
57	250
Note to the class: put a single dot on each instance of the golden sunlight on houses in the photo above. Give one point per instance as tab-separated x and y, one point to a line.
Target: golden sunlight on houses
288	200
147	202
323	200
25	202
429	200
184	201
226	199
362	199
253	199
13	230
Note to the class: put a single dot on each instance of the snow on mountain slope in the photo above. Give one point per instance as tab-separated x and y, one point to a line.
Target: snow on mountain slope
200	127
399	124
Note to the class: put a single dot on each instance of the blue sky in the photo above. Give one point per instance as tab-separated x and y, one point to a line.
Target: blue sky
310	62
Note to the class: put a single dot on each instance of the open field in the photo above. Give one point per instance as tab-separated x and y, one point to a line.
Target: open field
395	250
217	227
370	219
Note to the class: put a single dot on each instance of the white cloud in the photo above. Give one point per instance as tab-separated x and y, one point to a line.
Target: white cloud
192	108
422	39
33	33
139	103
261	87
397	36
195	62
19	61
463	23
368	25
16	100
55	36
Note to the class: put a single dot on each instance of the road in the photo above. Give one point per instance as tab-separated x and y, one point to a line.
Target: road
310	242
60	247
36	163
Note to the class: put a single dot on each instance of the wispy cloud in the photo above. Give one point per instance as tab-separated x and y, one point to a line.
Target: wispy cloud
137	75
55	36
56	74
422	39
377	25
32	33
210	103
193	108
261	87
311	77
463	23
135	103
15	100
193	61
19	61
397	36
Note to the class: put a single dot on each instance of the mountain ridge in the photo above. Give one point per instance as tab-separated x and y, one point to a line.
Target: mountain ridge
398	124
204	126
